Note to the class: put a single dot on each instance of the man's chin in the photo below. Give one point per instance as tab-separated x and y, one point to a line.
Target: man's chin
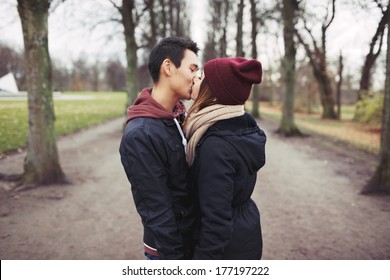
190	96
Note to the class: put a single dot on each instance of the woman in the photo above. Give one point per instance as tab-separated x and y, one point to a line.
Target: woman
225	150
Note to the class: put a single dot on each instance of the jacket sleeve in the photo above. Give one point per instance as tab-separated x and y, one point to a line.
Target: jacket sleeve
142	158
215	186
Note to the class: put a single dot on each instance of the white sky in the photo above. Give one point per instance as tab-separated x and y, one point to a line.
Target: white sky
69	43
350	33
199	22
70	36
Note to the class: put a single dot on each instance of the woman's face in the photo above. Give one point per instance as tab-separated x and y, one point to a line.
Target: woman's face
196	87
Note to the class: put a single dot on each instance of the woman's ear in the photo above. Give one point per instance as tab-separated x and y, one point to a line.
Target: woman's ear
166	67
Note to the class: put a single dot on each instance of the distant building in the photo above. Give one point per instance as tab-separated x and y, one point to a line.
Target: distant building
8	85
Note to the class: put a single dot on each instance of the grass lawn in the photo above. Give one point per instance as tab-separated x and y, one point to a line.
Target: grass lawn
76	110
362	136
75	114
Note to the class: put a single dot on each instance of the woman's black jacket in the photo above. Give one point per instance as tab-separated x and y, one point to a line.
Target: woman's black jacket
223	176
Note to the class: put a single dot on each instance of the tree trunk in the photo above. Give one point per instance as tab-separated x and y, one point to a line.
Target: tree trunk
179	27
223	21
287	125
129	24
41	165
164	21
380	182
216	44
255	90
326	91
365	80
153	25
240	14
317	58
339	83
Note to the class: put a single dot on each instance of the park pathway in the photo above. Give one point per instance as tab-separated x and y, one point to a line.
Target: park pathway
307	194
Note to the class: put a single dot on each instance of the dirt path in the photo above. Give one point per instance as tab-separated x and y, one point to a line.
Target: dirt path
307	194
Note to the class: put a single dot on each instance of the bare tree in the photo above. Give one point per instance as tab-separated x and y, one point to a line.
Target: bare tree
41	165
255	89
306	98
216	44
380	182
259	17
371	57
376	43
61	77
130	18
166	18
12	61
339	83
317	57
144	23
287	125
116	76
153	25
240	33
81	75
182	26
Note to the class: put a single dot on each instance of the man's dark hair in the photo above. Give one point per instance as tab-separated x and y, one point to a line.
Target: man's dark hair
172	48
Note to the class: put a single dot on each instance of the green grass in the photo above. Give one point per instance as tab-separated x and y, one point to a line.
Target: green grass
71	116
362	136
347	112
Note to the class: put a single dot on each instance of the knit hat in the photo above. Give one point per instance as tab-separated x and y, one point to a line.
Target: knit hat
231	79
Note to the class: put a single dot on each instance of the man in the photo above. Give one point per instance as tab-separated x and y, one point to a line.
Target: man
153	150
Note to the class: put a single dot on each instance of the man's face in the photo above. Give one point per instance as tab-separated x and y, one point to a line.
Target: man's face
184	76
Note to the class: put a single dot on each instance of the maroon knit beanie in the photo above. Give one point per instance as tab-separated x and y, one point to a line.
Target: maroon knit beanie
231	79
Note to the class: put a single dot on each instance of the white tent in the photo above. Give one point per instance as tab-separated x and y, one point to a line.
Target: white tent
8	84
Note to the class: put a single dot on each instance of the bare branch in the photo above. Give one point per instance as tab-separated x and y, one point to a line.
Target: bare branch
333	14
141	14
54	4
102	22
380	31
311	36
116	6
307	49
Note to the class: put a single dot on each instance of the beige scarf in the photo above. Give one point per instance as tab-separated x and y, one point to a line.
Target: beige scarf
198	122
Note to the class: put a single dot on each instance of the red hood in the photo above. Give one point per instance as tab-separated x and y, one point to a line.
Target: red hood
146	106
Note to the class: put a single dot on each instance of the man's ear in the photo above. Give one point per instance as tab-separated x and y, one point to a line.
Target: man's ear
166	67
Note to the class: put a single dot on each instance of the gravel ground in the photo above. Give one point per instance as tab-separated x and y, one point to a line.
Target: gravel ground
308	195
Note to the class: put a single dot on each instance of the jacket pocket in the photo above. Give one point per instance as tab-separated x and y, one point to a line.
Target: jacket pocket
174	145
